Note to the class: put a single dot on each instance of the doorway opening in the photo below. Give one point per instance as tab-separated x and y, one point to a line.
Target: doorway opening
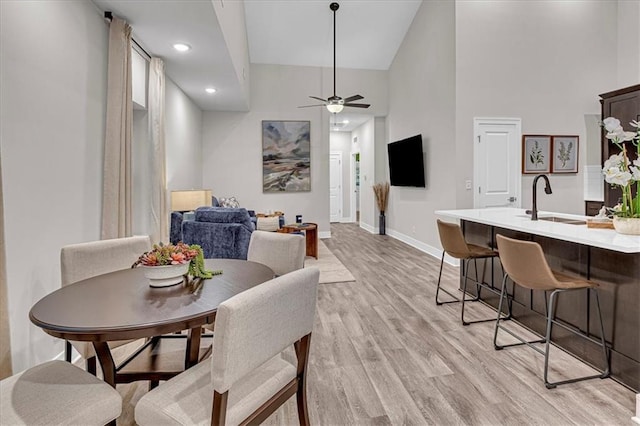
355	184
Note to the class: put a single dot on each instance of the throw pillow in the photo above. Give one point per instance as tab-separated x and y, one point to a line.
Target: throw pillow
268	223
230	203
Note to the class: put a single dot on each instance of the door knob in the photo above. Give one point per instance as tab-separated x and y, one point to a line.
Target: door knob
511	199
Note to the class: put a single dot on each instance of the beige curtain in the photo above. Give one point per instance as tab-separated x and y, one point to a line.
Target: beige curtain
5	338
117	188
159	210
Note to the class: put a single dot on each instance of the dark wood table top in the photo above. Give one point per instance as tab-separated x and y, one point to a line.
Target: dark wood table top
121	305
301	226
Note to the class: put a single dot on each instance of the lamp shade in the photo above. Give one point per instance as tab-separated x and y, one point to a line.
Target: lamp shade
188	200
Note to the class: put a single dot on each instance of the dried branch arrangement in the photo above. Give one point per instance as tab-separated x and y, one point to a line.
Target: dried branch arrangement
381	191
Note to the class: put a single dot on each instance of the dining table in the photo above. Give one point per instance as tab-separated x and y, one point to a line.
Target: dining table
122	305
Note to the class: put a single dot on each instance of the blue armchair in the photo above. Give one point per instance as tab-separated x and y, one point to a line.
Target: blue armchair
221	232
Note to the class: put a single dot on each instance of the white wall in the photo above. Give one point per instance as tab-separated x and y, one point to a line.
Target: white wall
141	168
183	140
232	144
341	141
232	141
53	61
545	62
422	101
628	43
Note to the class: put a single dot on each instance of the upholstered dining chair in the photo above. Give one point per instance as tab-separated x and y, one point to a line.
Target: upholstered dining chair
247	378
283	253
86	260
526	266
57	393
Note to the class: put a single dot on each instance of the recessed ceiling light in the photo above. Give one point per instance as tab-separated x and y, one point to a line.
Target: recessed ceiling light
181	47
210	90
345	122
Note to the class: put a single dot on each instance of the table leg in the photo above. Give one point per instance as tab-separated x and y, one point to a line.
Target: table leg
106	362
311	236
193	347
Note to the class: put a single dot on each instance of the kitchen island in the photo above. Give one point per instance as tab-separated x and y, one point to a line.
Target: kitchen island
601	255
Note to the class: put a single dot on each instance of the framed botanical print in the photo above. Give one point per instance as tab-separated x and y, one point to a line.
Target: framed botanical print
536	154
565	154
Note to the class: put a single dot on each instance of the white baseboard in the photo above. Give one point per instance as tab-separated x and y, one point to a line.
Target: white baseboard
426	248
345	220
324	234
367	227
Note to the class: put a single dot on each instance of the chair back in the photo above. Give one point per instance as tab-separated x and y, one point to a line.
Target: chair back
256	325
283	253
86	260
525	263
452	240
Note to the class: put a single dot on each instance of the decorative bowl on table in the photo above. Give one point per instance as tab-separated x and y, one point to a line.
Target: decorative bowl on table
167	265
166	275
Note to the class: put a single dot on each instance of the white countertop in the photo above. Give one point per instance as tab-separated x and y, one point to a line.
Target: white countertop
518	220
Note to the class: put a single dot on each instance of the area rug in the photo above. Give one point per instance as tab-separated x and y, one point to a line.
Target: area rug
331	269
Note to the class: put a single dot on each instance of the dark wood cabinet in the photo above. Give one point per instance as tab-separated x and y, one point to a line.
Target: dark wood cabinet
623	104
592	208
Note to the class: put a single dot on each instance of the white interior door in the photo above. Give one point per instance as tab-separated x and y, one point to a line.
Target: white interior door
335	186
496	157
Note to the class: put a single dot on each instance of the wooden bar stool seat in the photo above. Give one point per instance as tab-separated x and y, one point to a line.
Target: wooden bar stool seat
454	244
525	264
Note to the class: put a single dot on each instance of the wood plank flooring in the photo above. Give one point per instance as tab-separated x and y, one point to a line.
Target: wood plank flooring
384	354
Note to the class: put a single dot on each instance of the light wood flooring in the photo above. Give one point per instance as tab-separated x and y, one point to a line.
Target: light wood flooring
384	353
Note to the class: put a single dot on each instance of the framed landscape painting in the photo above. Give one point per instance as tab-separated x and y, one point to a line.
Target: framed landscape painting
536	154
565	154
286	149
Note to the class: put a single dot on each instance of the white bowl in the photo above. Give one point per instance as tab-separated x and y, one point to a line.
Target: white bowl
165	276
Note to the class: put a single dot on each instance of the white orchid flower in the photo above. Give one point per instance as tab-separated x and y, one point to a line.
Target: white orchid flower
615	176
619	135
635	124
635	173
611	124
614	161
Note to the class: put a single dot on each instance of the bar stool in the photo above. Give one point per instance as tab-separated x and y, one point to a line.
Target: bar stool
525	264
454	244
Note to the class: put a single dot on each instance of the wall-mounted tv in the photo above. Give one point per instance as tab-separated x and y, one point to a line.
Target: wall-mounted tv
406	163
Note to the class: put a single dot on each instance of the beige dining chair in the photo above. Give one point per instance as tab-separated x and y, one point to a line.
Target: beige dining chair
281	252
455	245
247	378
86	260
525	264
57	393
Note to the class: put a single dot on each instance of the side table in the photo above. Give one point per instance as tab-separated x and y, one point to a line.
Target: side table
311	235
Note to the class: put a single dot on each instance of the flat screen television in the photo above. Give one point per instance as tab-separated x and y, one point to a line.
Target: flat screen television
406	163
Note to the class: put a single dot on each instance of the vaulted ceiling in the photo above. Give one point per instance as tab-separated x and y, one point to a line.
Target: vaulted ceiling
300	32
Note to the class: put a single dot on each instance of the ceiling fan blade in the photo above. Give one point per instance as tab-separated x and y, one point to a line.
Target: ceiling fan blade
353	98
309	106
357	105
317	98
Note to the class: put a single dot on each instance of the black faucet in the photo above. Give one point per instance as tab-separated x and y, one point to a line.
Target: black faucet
547	190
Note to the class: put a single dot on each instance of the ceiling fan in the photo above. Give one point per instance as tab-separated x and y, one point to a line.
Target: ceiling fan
335	103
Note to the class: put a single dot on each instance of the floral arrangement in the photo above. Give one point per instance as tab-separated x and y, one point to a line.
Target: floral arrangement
618	169
381	191
178	254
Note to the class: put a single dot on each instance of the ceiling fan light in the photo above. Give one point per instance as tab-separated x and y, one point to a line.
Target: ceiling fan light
335	108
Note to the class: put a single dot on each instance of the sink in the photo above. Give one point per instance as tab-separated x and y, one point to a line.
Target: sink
563	220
